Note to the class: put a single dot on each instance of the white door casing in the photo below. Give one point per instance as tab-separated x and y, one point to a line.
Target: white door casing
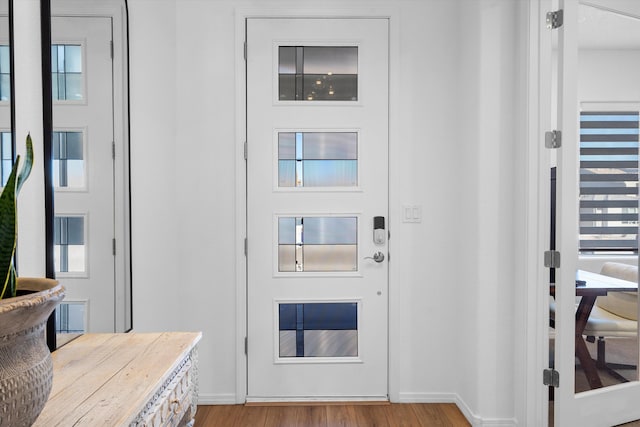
363	374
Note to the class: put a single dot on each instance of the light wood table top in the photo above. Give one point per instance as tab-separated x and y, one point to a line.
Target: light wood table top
108	379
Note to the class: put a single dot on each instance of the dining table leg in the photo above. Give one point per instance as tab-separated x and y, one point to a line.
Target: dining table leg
582	352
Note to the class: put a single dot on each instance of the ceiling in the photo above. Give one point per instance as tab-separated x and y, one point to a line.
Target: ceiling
609	24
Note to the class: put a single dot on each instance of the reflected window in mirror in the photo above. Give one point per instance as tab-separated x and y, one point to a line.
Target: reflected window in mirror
6	156
5	73
66	69
69	244
68	160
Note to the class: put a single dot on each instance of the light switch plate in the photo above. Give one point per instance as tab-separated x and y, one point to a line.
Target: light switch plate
411	213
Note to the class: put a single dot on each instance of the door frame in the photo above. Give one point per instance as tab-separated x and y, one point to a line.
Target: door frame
538	195
392	14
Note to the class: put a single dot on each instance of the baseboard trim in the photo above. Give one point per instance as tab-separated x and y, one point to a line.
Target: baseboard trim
217	399
320	403
322	400
473	419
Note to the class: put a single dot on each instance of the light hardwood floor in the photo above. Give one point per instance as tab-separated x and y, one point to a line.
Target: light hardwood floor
319	415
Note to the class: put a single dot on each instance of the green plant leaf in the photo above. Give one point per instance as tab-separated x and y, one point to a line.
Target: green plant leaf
26	166
8	233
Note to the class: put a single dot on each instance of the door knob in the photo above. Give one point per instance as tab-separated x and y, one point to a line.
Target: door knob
377	257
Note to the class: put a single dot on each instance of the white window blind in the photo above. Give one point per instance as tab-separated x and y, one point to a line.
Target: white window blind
609	181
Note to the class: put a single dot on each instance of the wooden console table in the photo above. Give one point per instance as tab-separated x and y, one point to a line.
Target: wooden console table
134	379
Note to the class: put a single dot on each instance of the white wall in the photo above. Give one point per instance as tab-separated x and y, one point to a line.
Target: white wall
608	76
456	150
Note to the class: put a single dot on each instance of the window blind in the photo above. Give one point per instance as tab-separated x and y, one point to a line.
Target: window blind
609	181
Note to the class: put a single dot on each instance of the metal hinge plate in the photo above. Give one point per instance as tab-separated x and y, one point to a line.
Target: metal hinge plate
246	247
246	345
552	259
246	149
553	139
245	50
555	19
551	377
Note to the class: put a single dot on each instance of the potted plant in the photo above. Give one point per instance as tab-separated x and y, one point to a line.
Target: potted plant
26	368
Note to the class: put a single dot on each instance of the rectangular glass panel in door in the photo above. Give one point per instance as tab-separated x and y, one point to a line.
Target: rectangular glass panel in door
69	244
317	244
6	156
5	96
66	70
318	329
5	72
608	196
318	73
317	159
68	160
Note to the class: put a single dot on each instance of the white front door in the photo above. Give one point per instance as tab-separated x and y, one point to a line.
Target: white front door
317	222
83	169
597	211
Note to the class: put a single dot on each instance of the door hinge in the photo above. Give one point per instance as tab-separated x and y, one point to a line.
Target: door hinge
245	150
246	247
113	246
113	150
552	259
111	48
551	377
246	345
555	19
553	139
245	50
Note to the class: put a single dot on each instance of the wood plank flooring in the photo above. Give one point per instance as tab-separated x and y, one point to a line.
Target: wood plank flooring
330	415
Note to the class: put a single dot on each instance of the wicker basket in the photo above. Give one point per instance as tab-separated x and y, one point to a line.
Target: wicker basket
26	369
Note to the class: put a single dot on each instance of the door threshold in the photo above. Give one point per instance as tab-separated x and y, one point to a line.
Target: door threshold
324	401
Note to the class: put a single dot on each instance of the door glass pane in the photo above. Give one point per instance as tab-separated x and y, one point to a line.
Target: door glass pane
6	156
5	73
69	244
318	73
70	318
317	159
68	160
318	330
66	69
317	244
607	342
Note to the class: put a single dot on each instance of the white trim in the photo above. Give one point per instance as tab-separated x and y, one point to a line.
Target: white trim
475	420
373	10
216	399
241	210
535	397
317	399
